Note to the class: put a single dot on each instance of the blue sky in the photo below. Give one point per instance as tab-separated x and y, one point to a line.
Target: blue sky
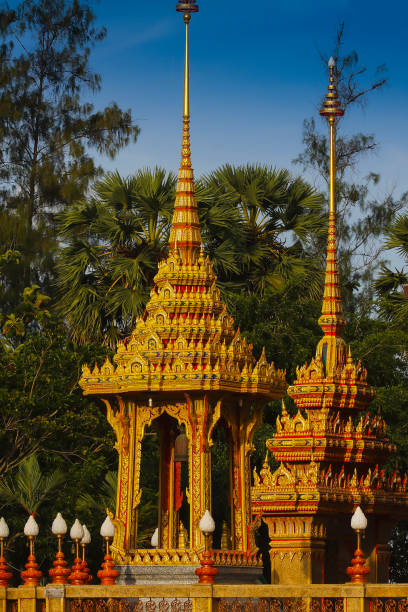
256	73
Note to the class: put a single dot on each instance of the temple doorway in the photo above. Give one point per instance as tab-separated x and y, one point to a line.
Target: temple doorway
149	483
164	480
221	485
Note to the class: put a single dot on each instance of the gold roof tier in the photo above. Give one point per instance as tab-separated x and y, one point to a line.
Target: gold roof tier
311	488
342	387
185	341
326	437
332	380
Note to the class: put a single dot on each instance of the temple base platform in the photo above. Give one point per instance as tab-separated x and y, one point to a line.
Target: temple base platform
154	566
184	574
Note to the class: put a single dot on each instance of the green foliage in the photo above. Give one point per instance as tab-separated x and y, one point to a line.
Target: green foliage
220	482
8	257
103	498
48	130
286	324
362	218
148	514
44	414
114	241
33	309
247	213
391	284
29	487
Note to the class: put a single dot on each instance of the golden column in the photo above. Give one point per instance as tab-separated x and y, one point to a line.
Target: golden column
185	369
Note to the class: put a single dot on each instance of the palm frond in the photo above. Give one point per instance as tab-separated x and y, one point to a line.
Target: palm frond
113	242
105	497
28	487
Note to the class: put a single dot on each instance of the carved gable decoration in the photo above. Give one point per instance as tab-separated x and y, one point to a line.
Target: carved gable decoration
282	477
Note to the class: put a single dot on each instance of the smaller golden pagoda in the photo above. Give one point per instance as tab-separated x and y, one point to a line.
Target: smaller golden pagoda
185	369
332	451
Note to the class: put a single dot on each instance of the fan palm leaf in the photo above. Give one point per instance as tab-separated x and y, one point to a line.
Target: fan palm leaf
391	284
105	497
266	206
397	237
112	243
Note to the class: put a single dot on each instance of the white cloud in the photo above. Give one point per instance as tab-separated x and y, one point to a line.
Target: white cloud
125	40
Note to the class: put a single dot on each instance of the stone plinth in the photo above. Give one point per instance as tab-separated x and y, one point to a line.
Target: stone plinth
157	574
184	574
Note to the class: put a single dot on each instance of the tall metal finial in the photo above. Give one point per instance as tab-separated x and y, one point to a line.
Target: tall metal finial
185	235
187	8
332	320
331	110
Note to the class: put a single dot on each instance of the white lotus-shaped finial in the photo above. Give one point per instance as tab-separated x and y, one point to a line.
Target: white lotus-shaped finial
4	530
59	526
76	533
155	538
207	524
31	529
358	520
86	538
107	528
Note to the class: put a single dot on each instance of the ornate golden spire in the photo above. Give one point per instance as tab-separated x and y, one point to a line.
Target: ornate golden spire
332	320
186	339
331	381
185	235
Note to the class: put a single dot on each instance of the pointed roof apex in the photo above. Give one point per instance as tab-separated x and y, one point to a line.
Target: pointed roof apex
331	105
332	320
187	7
185	234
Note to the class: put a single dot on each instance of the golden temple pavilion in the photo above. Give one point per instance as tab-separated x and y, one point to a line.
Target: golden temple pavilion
332	452
184	369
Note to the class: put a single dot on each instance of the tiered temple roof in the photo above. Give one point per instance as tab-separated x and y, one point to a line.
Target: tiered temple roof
186	339
332	451
185	368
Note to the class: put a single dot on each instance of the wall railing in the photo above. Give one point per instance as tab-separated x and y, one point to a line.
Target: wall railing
206	598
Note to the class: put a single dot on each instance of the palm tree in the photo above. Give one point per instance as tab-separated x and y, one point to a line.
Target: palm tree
105	498
391	285
272	217
28	487
112	243
105	501
114	239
